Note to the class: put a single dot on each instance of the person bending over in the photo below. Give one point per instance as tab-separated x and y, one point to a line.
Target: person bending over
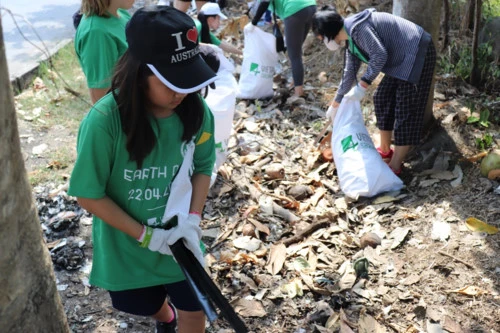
401	50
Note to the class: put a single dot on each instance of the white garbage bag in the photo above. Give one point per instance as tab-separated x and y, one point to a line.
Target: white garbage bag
222	103
360	168
259	61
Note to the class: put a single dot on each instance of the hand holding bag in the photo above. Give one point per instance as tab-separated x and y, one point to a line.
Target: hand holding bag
280	41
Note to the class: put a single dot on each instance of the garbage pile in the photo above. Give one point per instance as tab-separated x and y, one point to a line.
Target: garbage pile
59	216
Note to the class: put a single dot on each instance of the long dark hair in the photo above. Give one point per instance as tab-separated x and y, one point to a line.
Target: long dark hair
205	29
129	87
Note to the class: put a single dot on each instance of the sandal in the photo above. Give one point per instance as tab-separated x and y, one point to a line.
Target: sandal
396	172
387	155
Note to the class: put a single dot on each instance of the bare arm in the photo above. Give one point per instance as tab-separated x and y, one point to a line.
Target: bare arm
201	183
108	211
97	93
230	48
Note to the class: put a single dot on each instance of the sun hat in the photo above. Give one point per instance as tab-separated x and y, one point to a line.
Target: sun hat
166	40
211	8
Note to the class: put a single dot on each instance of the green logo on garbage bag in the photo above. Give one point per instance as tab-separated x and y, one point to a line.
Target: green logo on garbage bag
218	147
347	144
254	68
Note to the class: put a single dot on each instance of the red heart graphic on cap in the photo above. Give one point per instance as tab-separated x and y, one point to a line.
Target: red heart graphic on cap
192	35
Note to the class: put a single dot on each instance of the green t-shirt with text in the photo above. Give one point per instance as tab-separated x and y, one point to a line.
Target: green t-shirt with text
286	8
99	43
103	168
216	41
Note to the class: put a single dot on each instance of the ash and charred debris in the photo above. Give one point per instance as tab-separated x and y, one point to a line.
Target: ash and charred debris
60	217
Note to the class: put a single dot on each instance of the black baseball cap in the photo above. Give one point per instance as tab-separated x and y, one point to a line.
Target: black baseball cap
208	54
166	40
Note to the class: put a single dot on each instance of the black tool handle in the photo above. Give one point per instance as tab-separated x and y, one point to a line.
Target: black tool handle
203	286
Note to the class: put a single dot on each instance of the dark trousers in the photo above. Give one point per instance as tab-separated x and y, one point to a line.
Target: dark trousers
296	29
400	105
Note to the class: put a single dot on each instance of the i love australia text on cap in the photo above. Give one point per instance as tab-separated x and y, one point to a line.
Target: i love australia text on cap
192	36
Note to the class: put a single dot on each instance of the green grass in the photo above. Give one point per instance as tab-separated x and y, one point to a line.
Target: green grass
57	170
57	104
49	107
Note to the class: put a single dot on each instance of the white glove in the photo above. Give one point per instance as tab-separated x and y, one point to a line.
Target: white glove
331	112
159	240
249	27
356	93
188	229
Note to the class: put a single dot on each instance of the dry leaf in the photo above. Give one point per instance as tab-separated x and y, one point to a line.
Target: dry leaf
294	288
412	279
479	226
384	199
469	291
399	235
451	326
300	264
333	322
345	323
341	204
53	244
309	282
277	258
249	308
368	324
243	258
249	211
247	243
249	159
320	192
476	157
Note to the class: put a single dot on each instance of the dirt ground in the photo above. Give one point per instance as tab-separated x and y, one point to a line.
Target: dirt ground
428	271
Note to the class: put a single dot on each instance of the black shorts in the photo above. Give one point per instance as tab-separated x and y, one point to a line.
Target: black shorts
148	301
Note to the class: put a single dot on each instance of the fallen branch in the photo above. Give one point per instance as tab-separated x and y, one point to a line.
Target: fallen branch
456	259
306	232
72	92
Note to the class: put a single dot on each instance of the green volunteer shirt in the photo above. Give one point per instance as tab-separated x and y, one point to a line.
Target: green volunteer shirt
286	8
103	168
216	41
99	43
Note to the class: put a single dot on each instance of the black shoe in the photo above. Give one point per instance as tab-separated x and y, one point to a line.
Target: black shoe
171	327
166	327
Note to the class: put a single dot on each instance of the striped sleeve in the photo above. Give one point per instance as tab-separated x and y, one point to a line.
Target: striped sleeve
368	40
351	68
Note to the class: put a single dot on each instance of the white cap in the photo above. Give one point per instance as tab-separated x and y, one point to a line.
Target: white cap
211	8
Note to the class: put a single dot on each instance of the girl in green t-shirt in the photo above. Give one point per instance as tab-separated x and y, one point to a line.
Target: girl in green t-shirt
209	19
100	41
145	156
297	17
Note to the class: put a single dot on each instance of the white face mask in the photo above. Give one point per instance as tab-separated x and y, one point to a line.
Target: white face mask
332	45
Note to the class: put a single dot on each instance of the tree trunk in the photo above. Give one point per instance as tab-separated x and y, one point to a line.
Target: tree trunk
427	14
475	74
445	26
29	301
468	19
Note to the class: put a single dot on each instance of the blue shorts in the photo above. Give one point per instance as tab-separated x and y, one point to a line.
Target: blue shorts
148	301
